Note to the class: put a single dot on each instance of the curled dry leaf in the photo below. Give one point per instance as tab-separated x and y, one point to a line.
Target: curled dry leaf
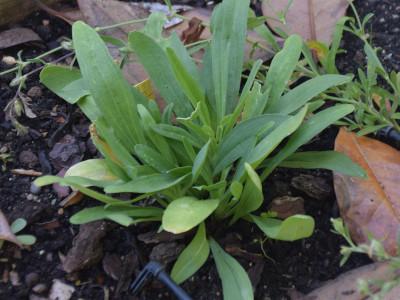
6	233
74	198
370	206
17	36
345	286
312	19
26	172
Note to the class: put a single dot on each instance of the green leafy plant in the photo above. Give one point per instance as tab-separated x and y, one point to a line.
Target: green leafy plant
375	93
25	239
375	289
203	158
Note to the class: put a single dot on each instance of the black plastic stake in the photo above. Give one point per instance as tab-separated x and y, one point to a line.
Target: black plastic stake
389	136
156	270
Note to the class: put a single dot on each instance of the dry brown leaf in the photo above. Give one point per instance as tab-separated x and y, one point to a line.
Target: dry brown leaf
193	32
16	10
17	36
344	287
312	19
370	206
99	13
26	172
74	198
6	233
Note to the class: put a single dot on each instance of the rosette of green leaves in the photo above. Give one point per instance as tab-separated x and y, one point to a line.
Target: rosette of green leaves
200	157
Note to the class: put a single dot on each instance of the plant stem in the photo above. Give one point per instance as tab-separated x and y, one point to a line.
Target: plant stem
121	24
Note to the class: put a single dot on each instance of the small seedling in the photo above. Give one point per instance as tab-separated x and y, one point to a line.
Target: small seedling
25	239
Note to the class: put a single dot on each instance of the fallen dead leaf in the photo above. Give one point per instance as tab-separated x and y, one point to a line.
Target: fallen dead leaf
16	10
26	172
98	13
344	287
312	19
5	231
370	206
193	32
74	198
17	36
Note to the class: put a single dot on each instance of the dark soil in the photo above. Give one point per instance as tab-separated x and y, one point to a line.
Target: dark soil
275	267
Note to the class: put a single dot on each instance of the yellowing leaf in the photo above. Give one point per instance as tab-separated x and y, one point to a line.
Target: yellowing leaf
185	213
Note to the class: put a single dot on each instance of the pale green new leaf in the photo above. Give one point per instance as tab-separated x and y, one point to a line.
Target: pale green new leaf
193	257
236	284
93	169
18	225
185	213
330	160
26	239
293	228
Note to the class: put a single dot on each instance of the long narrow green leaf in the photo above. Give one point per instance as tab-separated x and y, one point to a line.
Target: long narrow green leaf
272	140
200	161
236	284
156	63
192	258
175	133
122	215
331	160
147	184
303	93
282	67
228	26
153	158
307	131
106	84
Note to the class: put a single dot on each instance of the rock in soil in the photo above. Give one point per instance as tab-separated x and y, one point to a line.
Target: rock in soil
66	153
40	288
112	265
31	279
28	159
315	187
60	290
287	206
153	237
35	91
166	252
87	247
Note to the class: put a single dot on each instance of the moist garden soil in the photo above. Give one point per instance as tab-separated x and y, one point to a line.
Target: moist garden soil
58	136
